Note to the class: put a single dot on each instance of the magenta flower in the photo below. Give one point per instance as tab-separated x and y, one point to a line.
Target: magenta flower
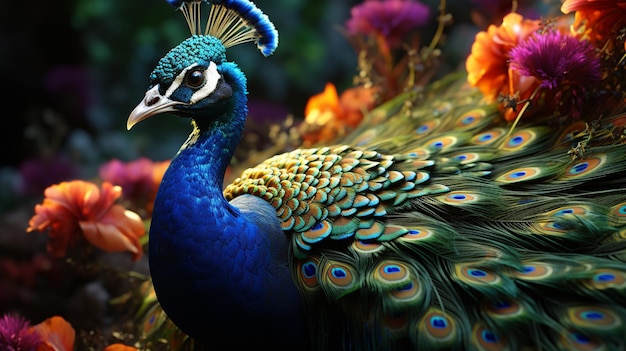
392	19
16	335
557	60
134	177
565	67
139	180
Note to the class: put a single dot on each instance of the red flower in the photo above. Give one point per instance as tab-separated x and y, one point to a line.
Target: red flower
592	5
78	209
53	334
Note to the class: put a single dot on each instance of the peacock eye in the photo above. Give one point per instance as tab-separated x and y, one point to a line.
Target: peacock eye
195	78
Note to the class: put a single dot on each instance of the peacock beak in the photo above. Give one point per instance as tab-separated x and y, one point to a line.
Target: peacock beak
152	104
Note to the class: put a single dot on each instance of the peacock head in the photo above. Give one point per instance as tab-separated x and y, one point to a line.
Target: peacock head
194	78
188	80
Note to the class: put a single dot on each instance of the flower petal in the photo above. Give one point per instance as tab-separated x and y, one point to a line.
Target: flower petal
56	333
61	224
119	230
16	333
76	208
328	100
99	206
119	347
487	65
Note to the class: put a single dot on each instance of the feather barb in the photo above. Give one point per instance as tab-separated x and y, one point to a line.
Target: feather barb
233	22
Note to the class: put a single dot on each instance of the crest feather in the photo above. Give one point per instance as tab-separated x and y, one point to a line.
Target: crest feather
233	22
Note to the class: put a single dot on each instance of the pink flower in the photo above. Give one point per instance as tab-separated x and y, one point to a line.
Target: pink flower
139	179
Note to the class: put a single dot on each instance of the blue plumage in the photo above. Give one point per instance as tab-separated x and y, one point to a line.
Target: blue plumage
187	251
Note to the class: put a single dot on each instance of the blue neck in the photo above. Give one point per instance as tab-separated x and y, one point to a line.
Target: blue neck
216	268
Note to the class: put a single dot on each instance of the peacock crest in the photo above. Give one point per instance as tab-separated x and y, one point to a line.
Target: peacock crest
232	22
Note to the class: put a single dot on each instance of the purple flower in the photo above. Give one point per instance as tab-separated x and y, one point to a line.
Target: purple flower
392	19
558	61
69	86
16	335
567	69
40	172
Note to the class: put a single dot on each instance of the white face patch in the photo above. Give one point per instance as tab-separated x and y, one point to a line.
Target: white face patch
211	78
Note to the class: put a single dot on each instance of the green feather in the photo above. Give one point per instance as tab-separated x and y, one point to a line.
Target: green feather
443	230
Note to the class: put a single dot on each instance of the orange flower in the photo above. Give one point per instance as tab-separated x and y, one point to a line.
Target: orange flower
324	102
488	64
328	115
76	209
354	102
119	347
158	170
598	19
592	5
56	335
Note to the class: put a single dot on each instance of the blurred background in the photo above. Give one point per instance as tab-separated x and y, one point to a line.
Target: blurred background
72	70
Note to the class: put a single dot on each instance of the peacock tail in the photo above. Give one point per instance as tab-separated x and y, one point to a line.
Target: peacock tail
435	225
444	232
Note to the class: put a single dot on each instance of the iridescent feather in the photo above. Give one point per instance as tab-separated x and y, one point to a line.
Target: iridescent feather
499	230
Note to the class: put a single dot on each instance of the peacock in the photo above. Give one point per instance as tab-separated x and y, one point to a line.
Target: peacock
436	225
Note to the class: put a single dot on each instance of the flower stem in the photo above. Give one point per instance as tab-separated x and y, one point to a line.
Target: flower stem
440	26
521	112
